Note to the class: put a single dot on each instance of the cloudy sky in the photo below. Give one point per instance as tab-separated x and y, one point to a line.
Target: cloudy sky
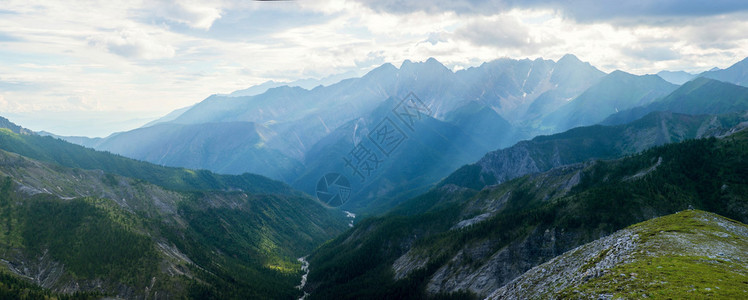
95	67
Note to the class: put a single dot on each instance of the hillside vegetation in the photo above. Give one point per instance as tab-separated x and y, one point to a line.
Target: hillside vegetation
462	242
49	149
690	254
72	230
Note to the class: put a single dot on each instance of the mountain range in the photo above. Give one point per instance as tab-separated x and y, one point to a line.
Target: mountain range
676	77
578	145
298	135
699	96
735	74
514	179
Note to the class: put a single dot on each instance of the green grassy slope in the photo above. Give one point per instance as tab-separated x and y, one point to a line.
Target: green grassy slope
688	255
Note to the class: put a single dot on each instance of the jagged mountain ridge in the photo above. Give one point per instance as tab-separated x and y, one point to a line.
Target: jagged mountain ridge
293	121
430	80
495	104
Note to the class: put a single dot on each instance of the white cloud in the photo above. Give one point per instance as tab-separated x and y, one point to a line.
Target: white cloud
661	53
83	103
133	43
503	31
196	14
11	106
5	105
157	56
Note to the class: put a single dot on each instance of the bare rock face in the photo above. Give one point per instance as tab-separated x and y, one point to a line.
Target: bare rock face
495	269
545	153
41	270
485	266
409	262
572	268
509	163
50	274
